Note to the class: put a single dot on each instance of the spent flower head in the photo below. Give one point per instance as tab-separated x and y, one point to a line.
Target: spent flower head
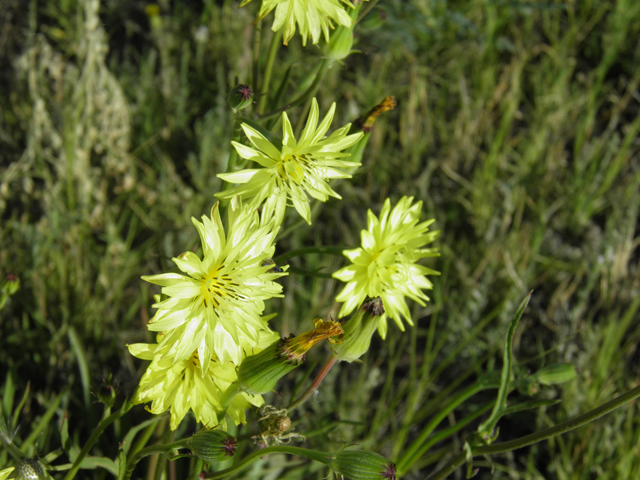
385	265
180	386
312	17
299	168
259	373
215	308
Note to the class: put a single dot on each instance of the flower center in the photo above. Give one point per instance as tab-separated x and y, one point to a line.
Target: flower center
292	167
218	286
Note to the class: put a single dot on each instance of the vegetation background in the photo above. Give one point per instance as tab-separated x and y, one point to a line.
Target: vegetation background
517	126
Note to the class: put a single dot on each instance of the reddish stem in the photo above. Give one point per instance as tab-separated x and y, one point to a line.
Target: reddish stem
305	396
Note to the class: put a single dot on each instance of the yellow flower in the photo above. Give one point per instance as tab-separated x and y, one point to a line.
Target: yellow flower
385	265
6	472
301	167
215	308
312	17
180	386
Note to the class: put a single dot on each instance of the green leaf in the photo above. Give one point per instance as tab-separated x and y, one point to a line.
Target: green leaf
44	421
128	439
486	429
64	433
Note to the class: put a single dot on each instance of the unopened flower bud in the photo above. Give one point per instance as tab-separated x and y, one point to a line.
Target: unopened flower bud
106	393
12	284
213	445
358	331
554	374
259	373
30	469
9	287
363	465
240	97
528	387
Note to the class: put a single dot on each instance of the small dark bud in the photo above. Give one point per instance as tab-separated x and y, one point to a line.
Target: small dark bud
106	393
374	307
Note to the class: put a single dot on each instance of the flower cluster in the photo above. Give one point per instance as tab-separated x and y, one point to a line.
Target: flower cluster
215	353
210	318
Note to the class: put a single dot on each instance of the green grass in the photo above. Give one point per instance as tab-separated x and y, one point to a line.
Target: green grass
517	127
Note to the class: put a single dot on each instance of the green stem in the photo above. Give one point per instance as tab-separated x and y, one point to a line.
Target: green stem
487	427
366	10
233	154
197	469
305	251
312	388
256	55
545	434
268	69
104	423
145	452
301	452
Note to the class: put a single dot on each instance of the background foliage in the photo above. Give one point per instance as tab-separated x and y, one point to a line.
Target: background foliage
517	126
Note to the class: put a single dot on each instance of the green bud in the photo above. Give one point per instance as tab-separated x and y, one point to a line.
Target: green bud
155	19
12	284
528	387
30	469
363	465
358	331
213	445
554	374
240	97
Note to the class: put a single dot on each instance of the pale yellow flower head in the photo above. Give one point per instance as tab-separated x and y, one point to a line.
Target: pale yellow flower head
385	265
312	17
180	386
300	168
215	307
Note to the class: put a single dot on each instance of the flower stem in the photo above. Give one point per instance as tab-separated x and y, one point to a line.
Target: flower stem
145	452
256	54
268	69
305	396
545	434
301	452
